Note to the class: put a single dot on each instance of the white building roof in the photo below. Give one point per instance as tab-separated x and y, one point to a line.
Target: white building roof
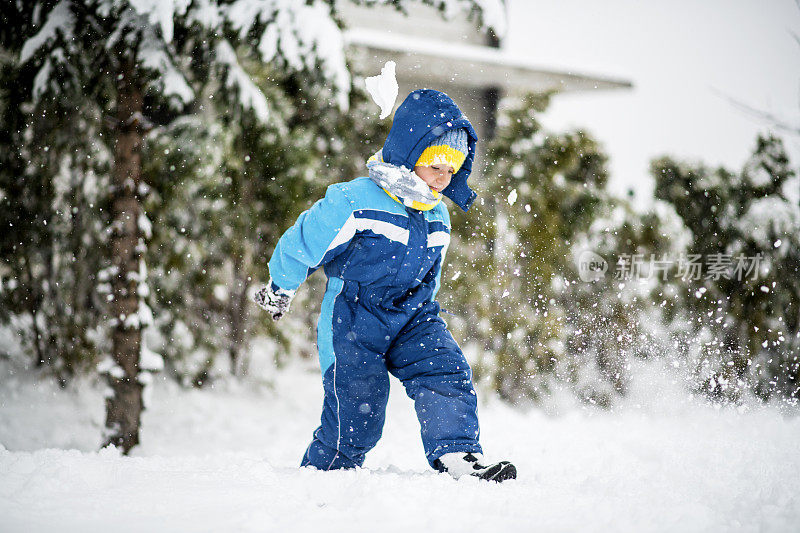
467	65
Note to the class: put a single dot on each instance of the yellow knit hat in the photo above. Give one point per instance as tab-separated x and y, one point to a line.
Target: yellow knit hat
447	149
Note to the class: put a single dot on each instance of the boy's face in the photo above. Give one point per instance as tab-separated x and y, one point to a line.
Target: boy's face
436	176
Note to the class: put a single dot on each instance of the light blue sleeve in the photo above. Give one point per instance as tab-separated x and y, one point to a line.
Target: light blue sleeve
318	235
438	283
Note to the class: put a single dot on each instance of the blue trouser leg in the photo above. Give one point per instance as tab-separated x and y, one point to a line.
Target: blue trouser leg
353	413
355	381
426	358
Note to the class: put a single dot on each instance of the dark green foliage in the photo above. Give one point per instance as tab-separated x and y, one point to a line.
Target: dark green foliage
746	323
528	319
52	169
532	319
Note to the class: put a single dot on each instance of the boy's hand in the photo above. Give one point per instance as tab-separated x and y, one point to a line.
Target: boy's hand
273	300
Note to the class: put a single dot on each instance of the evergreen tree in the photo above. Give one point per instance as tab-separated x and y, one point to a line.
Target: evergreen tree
531	318
52	171
745	228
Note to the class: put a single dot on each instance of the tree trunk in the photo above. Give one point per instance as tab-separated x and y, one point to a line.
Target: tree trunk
237	307
34	303
124	406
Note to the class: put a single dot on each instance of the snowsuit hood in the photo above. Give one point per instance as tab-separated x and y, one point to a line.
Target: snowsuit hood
424	115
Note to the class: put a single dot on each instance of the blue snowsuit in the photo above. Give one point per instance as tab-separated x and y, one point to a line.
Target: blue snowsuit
383	262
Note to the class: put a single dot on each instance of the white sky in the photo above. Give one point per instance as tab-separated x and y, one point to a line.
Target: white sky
679	54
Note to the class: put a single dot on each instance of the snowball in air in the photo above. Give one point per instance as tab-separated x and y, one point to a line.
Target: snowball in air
383	88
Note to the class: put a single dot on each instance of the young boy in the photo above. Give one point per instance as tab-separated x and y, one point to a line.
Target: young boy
381	240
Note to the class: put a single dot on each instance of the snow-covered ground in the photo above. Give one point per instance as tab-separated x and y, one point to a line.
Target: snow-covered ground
225	459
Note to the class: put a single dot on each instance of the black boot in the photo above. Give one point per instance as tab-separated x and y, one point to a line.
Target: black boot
462	464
